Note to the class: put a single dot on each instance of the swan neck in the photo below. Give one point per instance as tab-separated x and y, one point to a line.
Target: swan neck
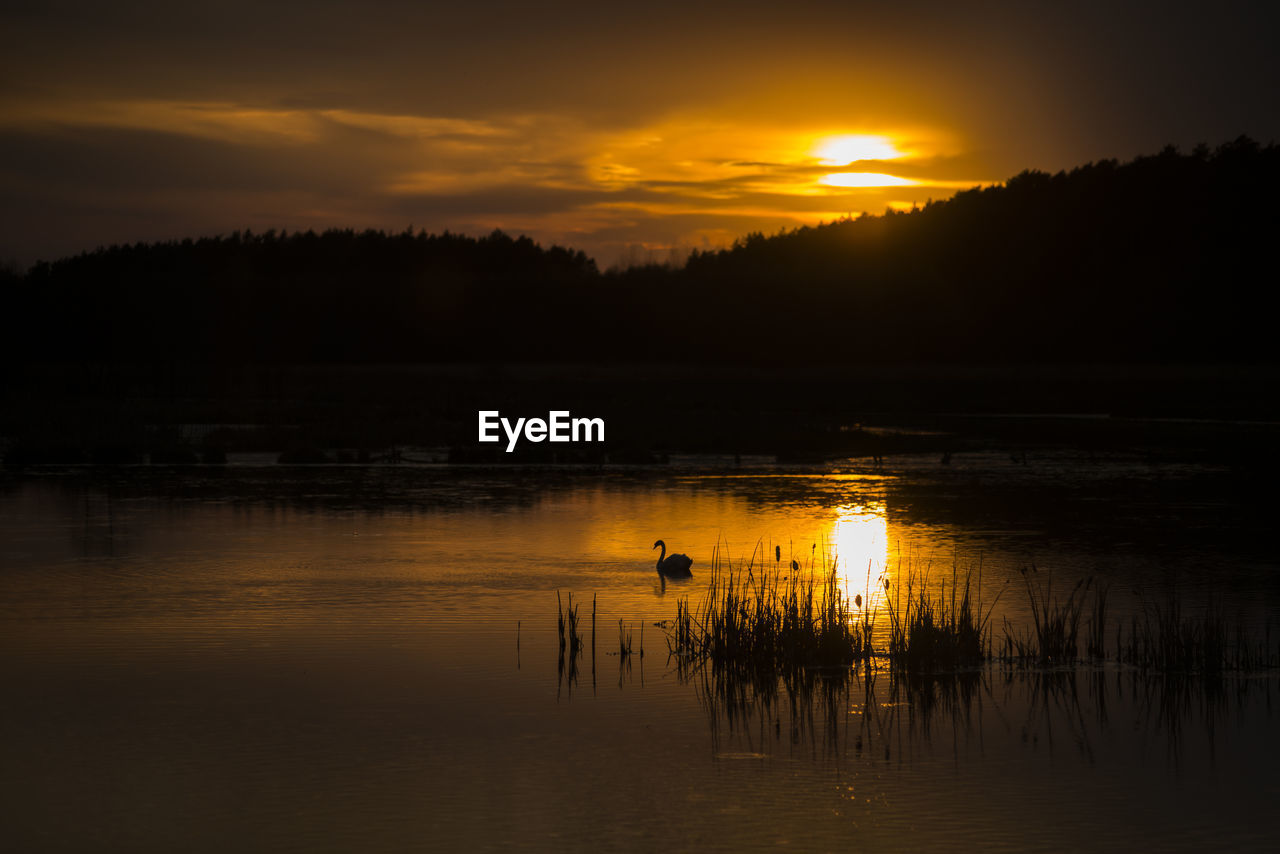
662	556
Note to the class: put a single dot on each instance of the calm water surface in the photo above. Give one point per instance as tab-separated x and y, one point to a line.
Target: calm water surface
271	658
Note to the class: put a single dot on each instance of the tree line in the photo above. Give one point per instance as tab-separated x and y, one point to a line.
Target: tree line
1166	257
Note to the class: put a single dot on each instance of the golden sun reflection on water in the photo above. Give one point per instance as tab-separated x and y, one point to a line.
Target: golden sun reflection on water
860	537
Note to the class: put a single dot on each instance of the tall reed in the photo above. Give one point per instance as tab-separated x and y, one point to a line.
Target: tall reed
937	630
1054	621
755	617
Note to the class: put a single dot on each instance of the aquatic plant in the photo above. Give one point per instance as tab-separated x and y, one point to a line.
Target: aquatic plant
1055	622
1167	640
567	625
624	640
763	622
936	631
1096	633
754	617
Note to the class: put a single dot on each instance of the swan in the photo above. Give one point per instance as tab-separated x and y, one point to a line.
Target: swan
673	566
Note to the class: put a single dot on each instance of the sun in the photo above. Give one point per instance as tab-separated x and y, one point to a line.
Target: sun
843	150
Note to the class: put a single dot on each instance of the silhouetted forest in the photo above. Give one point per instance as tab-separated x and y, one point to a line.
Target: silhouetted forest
340	296
1165	258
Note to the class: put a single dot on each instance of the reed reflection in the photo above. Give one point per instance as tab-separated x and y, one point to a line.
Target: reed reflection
870	714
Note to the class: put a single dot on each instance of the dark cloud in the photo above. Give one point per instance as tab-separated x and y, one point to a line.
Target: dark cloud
131	162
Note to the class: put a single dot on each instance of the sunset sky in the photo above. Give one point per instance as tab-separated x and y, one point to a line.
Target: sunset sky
622	131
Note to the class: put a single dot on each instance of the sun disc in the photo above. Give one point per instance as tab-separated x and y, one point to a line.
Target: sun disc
842	150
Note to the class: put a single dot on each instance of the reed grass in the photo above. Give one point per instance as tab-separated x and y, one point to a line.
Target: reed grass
1055	622
753	620
754	617
624	640
1096	629
567	626
1168	640
1162	638
939	630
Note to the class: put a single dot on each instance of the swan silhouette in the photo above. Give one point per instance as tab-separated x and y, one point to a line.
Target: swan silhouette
673	566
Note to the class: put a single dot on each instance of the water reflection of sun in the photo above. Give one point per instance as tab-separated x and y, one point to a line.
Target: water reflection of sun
860	536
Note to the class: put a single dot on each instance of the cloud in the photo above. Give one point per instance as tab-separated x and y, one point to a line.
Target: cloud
172	168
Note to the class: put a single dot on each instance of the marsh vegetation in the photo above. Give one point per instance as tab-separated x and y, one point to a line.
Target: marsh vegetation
763	620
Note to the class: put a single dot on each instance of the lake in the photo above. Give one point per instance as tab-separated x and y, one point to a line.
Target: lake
265	657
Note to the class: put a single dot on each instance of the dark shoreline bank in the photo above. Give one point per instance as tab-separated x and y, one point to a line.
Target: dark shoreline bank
340	413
